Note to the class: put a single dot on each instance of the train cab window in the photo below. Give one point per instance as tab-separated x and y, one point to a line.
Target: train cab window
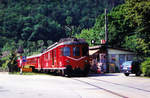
66	51
76	51
85	51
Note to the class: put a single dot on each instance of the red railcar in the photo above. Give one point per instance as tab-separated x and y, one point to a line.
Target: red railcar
68	56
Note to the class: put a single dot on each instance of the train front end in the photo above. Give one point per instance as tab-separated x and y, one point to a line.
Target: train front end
75	57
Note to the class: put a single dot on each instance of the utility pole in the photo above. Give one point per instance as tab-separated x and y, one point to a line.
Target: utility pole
106	39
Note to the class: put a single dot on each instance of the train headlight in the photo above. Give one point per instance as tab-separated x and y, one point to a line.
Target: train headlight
68	61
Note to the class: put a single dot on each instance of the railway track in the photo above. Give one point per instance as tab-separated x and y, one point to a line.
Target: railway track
121	85
91	82
101	88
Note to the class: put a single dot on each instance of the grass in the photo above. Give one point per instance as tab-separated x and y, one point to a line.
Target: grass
27	73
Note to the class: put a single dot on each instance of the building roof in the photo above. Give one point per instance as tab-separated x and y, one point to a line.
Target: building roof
95	49
91	52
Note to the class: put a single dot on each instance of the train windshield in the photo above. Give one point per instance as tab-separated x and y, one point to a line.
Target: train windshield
85	51
66	51
76	51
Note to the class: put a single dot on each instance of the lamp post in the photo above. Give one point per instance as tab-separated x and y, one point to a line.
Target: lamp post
20	51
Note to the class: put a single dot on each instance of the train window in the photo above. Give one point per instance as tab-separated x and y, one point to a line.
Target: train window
85	51
66	51
49	56
76	51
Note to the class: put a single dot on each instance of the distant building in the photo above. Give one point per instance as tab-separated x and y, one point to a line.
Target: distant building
116	57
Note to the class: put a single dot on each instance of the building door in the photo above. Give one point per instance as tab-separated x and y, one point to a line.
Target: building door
121	60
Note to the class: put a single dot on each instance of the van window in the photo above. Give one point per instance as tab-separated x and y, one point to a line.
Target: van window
76	51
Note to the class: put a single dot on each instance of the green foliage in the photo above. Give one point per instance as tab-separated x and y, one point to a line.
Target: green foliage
4	62
131	42
139	13
118	27
69	20
12	65
10	45
128	27
88	35
33	20
146	67
143	46
10	62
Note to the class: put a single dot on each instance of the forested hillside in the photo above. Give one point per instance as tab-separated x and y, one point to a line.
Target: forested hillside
36	23
128	27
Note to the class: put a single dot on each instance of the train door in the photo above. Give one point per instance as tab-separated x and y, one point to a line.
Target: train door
52	57
55	60
59	57
49	59
42	61
38	66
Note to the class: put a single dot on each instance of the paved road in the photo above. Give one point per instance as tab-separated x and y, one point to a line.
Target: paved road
93	86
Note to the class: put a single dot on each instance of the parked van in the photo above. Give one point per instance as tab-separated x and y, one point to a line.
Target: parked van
131	67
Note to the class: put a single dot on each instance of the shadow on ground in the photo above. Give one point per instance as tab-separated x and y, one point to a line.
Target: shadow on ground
104	74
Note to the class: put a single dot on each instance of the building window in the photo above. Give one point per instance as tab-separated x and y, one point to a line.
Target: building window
121	59
76	51
66	51
130	57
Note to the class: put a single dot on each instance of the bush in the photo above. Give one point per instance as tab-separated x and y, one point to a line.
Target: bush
10	62
146	67
4	62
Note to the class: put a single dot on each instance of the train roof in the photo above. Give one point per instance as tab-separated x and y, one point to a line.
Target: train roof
32	56
64	41
72	40
37	55
67	41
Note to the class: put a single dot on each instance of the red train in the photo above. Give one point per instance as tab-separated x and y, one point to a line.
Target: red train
68	56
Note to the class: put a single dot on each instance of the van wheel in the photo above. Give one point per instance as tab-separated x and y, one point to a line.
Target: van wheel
126	74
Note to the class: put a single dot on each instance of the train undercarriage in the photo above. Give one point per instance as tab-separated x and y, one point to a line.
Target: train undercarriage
67	71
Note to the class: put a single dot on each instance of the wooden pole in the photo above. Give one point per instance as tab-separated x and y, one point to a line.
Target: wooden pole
106	39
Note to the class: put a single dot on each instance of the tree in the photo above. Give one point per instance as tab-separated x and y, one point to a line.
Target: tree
117	27
139	13
34	20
